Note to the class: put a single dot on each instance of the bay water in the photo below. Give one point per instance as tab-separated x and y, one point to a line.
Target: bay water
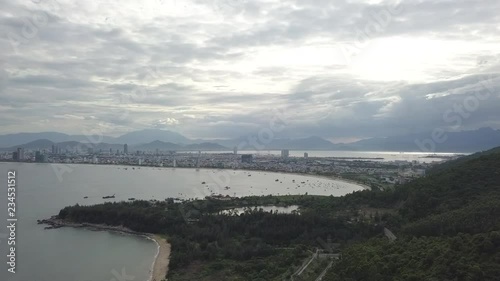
68	254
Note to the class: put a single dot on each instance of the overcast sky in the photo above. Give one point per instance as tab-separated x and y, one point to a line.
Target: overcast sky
342	70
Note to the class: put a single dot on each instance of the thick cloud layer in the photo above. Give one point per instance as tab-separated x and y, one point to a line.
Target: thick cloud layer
218	68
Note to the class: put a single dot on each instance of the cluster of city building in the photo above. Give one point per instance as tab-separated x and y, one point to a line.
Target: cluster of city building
368	171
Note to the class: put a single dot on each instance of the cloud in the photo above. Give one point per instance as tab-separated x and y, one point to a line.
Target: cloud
218	68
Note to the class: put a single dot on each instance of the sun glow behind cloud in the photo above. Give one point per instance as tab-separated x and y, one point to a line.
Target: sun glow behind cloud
229	63
414	59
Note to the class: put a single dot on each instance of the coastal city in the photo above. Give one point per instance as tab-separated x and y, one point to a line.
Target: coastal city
250	140
375	172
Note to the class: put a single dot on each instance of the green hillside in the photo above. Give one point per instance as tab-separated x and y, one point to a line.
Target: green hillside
449	228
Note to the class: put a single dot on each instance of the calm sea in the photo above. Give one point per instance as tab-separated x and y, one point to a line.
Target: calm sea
82	255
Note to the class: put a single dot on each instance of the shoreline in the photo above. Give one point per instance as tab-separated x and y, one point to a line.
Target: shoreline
327	177
162	259
364	186
159	267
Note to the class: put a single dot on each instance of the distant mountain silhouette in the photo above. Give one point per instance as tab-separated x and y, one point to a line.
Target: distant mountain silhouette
132	138
151	135
310	142
205	146
462	141
252	142
44	144
36	144
102	146
25	138
160	145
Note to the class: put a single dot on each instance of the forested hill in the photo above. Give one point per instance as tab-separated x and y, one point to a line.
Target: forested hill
448	227
453	185
448	186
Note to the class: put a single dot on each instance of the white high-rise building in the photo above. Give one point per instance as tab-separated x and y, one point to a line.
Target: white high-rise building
20	154
285	153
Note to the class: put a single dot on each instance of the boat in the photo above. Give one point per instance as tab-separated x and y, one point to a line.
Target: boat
108	197
85	197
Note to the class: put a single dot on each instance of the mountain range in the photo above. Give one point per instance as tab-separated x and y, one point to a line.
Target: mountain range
150	140
83	146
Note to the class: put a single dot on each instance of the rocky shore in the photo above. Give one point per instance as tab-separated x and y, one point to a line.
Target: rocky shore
55	222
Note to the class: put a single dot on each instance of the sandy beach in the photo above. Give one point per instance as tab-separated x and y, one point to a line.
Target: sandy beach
162	259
